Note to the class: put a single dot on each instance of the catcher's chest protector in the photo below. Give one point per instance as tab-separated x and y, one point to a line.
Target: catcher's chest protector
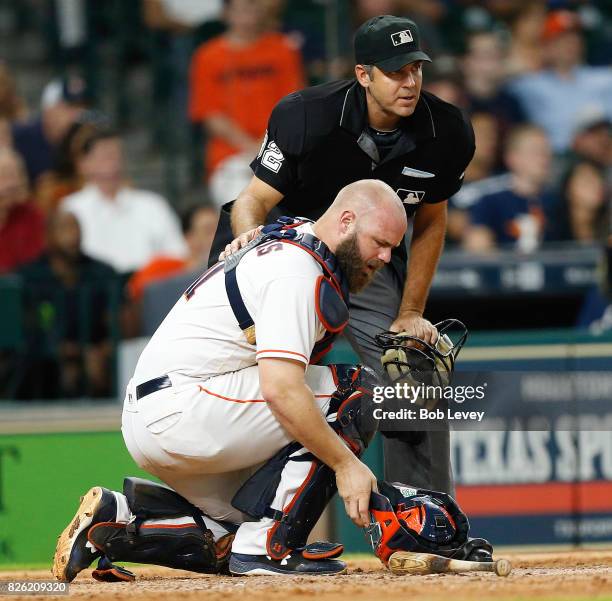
331	291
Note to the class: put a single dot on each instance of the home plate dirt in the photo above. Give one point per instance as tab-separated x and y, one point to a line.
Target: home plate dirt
563	575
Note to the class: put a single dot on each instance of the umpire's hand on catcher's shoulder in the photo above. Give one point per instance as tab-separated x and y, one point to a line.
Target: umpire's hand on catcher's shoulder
240	242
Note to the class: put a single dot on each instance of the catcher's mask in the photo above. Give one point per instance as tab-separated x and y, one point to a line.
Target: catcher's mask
410	359
408	519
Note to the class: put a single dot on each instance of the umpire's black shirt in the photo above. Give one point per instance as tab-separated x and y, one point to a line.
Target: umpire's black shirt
318	141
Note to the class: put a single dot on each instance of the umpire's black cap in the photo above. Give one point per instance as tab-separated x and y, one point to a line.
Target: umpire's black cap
388	42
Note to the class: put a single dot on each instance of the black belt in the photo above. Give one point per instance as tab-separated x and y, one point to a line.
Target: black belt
151	386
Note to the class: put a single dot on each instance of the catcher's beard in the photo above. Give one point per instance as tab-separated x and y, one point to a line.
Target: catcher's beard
353	266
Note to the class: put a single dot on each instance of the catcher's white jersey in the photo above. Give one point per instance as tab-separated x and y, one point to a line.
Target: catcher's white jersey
200	336
209	432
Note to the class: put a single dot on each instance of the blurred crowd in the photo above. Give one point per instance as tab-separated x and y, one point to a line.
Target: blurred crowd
94	256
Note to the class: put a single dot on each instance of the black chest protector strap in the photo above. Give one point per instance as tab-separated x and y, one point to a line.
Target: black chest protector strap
334	294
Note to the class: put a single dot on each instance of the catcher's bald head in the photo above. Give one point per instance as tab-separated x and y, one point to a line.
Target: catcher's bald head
367	203
368	195
362	226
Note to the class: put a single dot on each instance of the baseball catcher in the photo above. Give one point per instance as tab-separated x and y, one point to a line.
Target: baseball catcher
151	523
229	407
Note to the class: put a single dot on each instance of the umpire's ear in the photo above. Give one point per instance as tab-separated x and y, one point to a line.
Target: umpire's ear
364	74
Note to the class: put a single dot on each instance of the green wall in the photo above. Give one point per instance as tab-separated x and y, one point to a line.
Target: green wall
42	478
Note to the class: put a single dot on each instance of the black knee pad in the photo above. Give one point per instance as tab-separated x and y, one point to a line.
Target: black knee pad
187	547
184	547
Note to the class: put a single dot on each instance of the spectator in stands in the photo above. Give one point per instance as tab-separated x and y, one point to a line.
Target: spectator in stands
199	224
525	54
482	168
67	300
444	79
428	15
484	67
591	142
122	226
236	79
488	146
593	138
22	234
304	24
366	9
12	107
37	140
514	214
552	98
64	179
177	27
583	208
180	16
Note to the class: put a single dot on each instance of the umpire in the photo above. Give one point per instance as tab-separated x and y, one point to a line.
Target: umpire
378	126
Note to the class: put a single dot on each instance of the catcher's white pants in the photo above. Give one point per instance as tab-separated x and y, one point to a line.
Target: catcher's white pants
205	439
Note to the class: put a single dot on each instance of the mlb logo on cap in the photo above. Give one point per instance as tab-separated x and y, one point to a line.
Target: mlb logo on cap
402	37
372	43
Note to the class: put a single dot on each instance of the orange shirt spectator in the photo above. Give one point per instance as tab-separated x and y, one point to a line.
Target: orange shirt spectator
157	269
242	83
198	224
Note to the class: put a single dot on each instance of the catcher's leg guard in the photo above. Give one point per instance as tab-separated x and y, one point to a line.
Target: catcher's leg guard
298	483
181	546
166	530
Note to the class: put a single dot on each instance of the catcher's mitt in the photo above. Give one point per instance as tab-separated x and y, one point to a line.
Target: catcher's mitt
411	360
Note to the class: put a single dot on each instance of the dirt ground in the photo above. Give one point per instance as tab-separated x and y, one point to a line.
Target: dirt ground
561	575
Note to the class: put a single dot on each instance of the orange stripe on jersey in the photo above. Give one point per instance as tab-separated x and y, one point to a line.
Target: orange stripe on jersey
277	350
225	398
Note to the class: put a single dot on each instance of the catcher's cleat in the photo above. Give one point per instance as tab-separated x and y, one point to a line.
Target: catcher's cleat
292	565
73	552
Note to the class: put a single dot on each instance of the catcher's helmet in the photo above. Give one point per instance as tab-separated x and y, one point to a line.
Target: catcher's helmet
410	359
408	519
